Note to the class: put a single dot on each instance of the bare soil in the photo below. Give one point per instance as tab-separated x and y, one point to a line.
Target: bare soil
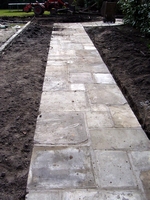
22	67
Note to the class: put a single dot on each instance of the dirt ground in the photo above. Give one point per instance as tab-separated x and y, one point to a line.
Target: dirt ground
22	67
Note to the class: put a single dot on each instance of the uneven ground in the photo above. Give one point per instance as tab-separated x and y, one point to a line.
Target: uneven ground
22	67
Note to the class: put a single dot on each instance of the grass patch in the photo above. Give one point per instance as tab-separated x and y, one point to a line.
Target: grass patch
17	13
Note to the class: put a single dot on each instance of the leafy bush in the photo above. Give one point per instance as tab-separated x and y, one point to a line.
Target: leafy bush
137	14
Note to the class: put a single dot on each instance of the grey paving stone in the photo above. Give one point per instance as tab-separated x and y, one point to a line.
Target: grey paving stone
99	119
102	195
77	86
105	94
99	107
122	195
63	101
38	195
56	52
57	68
123	116
119	138
104	78
84	66
88	53
60	167
61	128
82	195
81	78
145	178
141	160
114	170
54	81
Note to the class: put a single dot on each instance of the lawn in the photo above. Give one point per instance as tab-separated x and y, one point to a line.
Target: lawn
17	13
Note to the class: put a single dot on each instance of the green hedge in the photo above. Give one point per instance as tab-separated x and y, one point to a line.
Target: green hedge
137	14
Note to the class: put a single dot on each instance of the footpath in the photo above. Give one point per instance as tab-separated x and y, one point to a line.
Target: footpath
88	144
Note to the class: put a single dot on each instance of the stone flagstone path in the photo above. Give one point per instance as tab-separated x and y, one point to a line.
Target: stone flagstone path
88	143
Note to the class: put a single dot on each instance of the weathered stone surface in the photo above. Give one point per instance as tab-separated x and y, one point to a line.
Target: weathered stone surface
81	78
60	167
77	86
104	78
119	138
60	128
105	94
54	81
123	116
141	160
145	178
38	195
102	195
99	119
114	170
63	101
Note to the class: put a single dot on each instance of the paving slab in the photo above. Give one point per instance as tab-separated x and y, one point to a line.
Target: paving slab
114	170
63	101
38	195
55	81
102	195
81	78
121	115
105	94
140	161
61	128
77	86
60	168
119	139
84	66
104	78
99	119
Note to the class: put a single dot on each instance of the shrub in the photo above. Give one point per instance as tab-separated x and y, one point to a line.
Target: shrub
137	14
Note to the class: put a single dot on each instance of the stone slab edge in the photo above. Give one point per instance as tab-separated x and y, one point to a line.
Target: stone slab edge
12	37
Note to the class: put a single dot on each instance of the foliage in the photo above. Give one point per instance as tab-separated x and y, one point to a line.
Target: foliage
137	14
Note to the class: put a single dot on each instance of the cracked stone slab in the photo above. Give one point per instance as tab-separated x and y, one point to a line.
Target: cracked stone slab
99	119
119	138
105	94
123	116
63	101
102	195
60	167
114	170
104	79
61	128
81	78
